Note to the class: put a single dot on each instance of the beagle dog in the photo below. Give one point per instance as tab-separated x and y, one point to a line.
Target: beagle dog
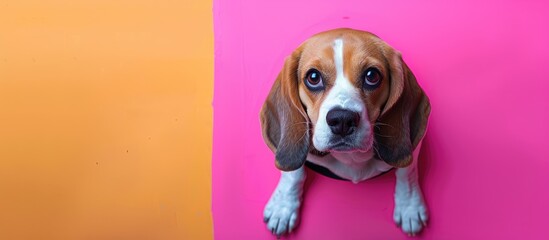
347	105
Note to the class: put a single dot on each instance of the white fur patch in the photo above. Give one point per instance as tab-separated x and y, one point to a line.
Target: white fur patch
282	211
354	166
338	57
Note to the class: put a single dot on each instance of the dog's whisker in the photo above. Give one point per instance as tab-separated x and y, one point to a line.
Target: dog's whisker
378	124
302	136
381	135
376	150
297	123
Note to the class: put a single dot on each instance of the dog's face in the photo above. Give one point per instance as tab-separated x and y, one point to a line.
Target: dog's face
341	85
344	90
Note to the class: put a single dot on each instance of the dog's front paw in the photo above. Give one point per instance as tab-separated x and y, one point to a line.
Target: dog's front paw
282	212
410	214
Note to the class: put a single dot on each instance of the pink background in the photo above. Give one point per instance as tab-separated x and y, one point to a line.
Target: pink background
485	161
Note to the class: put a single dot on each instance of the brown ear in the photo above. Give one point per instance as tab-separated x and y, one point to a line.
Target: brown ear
403	119
284	122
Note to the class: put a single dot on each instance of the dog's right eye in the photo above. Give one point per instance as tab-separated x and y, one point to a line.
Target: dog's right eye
372	78
313	80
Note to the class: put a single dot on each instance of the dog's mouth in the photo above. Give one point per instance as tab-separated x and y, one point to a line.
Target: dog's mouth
339	144
342	146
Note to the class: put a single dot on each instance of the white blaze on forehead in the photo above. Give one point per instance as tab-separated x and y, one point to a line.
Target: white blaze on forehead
343	91
338	57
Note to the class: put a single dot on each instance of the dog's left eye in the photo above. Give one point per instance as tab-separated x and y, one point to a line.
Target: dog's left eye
313	80
372	78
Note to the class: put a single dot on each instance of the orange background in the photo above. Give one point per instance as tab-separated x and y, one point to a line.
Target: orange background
105	119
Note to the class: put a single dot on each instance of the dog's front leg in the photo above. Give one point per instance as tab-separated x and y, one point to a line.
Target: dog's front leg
410	209
282	211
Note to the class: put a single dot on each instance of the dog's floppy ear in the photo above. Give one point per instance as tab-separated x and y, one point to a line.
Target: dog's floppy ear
284	122
403	119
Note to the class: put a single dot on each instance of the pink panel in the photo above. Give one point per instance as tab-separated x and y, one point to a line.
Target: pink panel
485	162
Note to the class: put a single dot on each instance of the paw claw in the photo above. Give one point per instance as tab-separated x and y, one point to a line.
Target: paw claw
422	220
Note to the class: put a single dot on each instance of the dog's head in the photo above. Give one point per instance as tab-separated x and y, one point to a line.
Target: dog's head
344	90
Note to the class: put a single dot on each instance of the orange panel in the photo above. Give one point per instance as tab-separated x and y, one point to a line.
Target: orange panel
105	119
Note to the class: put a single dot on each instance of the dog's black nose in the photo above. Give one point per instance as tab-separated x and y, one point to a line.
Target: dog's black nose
342	122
